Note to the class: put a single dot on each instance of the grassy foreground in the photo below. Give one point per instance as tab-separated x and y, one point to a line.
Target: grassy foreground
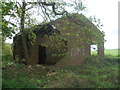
92	74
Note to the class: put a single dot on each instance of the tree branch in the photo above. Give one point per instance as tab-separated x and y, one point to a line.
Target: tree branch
56	13
53	8
46	12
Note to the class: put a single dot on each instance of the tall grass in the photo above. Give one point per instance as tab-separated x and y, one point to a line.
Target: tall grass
92	74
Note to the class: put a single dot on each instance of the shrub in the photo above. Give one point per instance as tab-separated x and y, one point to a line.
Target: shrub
6	49
6	54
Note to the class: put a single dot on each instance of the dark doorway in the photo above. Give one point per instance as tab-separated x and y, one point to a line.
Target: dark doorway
42	54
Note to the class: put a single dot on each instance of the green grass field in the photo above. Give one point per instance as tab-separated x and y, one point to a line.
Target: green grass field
113	52
92	74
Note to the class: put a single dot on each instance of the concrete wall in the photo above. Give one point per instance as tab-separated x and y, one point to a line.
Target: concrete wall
78	50
34	52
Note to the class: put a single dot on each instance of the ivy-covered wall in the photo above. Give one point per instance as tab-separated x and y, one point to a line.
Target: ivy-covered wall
71	46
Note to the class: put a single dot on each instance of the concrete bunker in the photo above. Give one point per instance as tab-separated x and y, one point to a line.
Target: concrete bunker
43	55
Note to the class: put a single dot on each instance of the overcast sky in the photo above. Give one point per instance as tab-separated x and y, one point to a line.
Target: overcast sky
107	12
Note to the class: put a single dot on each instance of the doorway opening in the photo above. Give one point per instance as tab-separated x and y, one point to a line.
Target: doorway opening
41	54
